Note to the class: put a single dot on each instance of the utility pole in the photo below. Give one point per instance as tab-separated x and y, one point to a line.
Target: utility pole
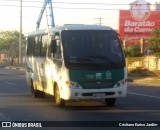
20	35
100	20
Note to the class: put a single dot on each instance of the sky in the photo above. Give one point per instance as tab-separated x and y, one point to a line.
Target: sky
65	12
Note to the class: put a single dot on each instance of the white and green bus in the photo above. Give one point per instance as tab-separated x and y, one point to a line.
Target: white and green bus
74	62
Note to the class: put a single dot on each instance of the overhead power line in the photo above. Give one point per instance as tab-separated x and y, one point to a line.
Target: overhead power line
25	1
22	6
69	8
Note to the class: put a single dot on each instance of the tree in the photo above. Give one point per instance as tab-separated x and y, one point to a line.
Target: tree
133	51
154	42
9	43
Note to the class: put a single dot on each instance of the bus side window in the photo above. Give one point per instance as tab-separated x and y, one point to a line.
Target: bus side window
58	49
44	45
30	46
37	46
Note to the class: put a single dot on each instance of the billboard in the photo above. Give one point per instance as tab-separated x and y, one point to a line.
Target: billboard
138	22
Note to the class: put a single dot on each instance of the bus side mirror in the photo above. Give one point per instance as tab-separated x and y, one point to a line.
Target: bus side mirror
53	47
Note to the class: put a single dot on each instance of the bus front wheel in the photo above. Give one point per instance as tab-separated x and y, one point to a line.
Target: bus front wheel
58	100
110	101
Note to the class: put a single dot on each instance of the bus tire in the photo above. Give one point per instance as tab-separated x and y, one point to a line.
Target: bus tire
60	102
36	93
110	101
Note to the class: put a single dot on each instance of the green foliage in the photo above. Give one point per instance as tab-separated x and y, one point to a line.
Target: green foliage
9	43
154	42
133	51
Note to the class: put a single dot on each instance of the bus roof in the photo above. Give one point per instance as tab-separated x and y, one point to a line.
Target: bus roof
72	27
81	27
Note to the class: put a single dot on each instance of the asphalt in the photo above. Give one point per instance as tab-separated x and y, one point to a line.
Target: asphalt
148	79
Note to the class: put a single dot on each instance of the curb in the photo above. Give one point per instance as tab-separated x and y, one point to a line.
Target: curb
15	68
130	80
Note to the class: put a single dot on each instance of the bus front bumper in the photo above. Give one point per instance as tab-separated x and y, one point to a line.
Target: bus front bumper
71	94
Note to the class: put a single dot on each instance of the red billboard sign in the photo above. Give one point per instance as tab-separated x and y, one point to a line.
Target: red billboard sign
138	22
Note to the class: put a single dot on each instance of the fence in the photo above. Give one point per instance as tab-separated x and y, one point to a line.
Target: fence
148	62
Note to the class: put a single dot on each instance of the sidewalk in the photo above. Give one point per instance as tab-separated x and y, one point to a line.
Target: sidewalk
150	81
145	77
15	67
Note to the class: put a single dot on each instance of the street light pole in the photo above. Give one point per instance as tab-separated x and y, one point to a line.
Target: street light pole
100	21
20	35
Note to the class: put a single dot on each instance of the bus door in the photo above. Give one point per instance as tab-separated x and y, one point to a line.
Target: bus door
56	56
43	61
36	63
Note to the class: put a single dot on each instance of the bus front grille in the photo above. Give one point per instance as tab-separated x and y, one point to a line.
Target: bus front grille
97	85
91	94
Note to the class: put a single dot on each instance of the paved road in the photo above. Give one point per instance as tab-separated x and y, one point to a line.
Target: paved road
16	104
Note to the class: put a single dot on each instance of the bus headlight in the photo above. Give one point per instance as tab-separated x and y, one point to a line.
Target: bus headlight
120	83
73	85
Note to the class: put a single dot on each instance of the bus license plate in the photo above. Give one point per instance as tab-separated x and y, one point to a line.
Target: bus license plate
99	95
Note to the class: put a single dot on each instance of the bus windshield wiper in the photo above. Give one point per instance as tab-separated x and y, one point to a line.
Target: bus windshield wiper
105	58
85	61
81	60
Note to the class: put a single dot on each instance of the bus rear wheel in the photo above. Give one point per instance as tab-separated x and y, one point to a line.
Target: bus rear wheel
110	101
36	93
58	100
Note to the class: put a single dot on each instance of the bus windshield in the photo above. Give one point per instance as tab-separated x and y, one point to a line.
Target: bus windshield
92	49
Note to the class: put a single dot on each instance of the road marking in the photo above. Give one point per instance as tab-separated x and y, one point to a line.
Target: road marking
10	83
3	84
143	95
1	72
21	75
